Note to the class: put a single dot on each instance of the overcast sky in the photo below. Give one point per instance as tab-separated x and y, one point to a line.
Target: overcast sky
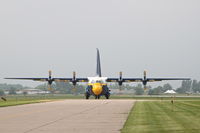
160	36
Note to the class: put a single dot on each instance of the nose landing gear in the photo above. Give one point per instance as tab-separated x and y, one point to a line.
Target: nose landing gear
97	97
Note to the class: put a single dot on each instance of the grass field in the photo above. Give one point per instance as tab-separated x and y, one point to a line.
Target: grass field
21	99
163	117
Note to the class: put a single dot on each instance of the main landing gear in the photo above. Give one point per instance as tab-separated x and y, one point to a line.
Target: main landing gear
87	95
107	96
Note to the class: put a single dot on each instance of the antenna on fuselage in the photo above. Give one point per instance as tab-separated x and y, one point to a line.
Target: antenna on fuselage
98	71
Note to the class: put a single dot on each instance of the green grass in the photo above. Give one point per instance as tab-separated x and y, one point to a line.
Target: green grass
13	103
162	117
21	99
155	97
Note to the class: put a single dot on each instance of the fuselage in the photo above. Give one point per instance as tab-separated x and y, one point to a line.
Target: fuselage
97	86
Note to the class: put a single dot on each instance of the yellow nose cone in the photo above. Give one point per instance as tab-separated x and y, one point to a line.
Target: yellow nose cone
97	89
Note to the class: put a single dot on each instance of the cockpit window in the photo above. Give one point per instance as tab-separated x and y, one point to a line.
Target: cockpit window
99	81
96	81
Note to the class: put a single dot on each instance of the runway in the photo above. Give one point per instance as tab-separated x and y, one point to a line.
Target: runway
67	116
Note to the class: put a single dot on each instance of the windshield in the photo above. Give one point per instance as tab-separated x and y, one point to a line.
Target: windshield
98	81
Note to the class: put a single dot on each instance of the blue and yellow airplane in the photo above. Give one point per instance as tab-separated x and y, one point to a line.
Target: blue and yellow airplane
97	86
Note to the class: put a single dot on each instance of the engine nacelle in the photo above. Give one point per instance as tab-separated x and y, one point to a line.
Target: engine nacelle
50	81
120	83
144	82
74	82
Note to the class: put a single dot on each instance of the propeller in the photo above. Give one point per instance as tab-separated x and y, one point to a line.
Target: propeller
50	80
74	82
144	82
120	81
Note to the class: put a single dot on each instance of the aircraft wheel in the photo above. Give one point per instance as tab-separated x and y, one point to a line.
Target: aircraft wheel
97	97
87	96
107	96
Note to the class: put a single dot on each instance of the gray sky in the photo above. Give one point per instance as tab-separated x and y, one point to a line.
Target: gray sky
160	36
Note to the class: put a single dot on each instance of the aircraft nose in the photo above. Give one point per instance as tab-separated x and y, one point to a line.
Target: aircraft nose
97	89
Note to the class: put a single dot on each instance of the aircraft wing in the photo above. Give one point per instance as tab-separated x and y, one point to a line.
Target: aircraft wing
142	80
53	79
70	79
124	80
132	79
34	79
161	79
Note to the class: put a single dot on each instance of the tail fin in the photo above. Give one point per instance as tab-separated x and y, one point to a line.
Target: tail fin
98	71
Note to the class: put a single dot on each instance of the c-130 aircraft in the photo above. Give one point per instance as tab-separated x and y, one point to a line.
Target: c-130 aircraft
97	86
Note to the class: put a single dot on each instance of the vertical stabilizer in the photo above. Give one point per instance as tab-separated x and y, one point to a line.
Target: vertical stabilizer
98	72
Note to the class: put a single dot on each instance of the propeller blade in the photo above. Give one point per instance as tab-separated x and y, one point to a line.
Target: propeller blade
50	73
145	75
145	80
120	80
74	89
120	88
50	87
50	81
74	78
74	75
145	87
120	75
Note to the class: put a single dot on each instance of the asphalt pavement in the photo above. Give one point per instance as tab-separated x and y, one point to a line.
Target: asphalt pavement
66	116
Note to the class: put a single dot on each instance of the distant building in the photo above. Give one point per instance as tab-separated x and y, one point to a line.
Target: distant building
34	91
29	91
